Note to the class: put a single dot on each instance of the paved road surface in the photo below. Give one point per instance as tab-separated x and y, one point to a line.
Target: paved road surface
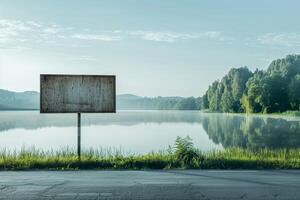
177	184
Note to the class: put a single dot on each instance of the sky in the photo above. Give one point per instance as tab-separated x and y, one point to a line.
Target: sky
154	47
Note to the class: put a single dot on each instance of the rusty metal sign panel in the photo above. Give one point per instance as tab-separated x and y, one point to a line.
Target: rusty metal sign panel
77	93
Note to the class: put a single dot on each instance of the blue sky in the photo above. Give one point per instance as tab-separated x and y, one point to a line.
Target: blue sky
155	47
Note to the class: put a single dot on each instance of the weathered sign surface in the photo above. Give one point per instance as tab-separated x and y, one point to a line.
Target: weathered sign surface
77	93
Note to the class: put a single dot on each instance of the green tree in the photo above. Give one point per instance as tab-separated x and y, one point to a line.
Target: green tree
204	102
234	85
287	67
226	95
187	104
294	92
274	95
214	96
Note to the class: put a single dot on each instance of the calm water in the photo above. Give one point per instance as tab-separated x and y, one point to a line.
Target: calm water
146	131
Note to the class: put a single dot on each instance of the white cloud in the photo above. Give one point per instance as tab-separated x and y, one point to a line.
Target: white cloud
12	28
4	47
55	28
280	39
14	25
212	34
84	58
98	37
169	36
51	30
25	33
34	24
162	36
13	32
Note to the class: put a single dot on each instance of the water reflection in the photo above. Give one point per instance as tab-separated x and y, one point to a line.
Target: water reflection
33	120
253	132
129	129
133	131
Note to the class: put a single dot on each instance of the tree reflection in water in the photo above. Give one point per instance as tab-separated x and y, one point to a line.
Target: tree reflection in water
253	132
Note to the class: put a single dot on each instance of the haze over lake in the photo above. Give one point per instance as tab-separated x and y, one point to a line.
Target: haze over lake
145	131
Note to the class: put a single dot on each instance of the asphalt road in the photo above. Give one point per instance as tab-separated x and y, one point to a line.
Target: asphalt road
175	184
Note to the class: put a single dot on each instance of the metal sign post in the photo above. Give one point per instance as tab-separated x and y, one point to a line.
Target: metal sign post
78	135
64	93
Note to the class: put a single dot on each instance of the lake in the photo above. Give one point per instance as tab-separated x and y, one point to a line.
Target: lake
145	131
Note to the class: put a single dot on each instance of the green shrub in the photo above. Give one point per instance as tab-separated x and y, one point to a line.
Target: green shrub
185	153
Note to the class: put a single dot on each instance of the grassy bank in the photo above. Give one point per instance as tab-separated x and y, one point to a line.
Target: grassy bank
182	156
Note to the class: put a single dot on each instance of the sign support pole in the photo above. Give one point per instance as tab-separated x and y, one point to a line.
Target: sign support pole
78	135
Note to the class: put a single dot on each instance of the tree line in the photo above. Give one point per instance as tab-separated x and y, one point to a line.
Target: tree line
276	89
132	102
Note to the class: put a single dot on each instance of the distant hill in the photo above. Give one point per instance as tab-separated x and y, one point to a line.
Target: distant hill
29	100
18	100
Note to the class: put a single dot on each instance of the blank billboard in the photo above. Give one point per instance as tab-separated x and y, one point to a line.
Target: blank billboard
77	93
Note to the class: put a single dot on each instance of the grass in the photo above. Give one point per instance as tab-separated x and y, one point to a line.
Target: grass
182	156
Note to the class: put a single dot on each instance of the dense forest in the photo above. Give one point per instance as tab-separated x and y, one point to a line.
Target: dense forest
276	89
